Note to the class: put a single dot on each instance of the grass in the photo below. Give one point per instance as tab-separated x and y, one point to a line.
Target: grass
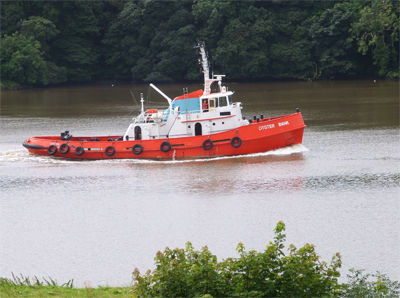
20	286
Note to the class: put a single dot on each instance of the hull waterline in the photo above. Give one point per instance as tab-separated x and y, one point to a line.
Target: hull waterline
262	136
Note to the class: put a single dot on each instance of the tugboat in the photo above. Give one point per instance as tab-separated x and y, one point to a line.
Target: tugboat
200	124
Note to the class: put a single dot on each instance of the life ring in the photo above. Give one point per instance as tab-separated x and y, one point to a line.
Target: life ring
109	151
165	146
137	149
207	144
236	142
79	151
64	148
52	149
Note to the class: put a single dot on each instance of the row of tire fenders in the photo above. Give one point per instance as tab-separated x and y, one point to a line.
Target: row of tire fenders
137	149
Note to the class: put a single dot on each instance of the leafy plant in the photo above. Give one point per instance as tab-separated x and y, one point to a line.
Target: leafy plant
369	286
271	273
377	31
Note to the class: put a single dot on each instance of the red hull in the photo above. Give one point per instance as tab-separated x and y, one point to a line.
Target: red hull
262	136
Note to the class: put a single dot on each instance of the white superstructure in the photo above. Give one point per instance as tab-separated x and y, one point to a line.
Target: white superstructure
197	113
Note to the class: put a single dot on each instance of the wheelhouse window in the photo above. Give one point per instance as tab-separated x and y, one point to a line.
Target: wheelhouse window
230	99
223	101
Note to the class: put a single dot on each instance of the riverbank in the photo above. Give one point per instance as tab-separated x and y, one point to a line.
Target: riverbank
6	85
10	85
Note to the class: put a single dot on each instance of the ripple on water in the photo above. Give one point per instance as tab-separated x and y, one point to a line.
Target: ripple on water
349	181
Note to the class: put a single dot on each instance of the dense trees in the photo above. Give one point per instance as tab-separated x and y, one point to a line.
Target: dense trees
377	30
21	59
152	40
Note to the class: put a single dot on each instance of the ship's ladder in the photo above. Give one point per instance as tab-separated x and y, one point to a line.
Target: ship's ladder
188	112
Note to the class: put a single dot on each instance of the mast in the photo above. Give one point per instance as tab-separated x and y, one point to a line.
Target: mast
206	69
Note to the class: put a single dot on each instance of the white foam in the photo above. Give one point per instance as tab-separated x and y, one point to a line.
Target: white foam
22	155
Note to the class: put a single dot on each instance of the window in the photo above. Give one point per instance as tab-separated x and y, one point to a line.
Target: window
223	102
211	102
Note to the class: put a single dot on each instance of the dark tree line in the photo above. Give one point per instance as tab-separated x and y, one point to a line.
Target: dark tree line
45	42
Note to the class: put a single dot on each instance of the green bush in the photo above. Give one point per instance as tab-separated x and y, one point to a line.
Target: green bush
271	273
361	285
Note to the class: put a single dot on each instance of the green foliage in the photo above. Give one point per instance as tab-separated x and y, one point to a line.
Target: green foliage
76	47
41	29
11	14
330	39
181	273
146	49
152	40
291	46
22	60
361	285
241	51
377	30
271	273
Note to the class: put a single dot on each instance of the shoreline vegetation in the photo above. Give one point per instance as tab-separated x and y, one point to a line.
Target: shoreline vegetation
192	273
45	43
6	85
10	85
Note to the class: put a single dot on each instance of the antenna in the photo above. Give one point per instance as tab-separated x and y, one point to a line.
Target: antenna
142	101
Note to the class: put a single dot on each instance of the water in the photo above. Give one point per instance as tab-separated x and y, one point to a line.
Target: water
95	221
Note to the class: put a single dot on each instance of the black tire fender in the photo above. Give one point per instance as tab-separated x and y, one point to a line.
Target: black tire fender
79	151
52	149
109	151
64	148
137	149
236	142
165	146
207	144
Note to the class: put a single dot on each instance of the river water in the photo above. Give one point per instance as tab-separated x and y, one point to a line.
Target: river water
96	221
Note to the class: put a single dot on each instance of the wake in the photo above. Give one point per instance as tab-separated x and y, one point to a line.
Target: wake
23	156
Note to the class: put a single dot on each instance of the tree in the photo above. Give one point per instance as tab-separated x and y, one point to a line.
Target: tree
243	50
152	40
11	14
377	31
22	60
43	30
291	45
77	47
152	50
237	34
334	52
